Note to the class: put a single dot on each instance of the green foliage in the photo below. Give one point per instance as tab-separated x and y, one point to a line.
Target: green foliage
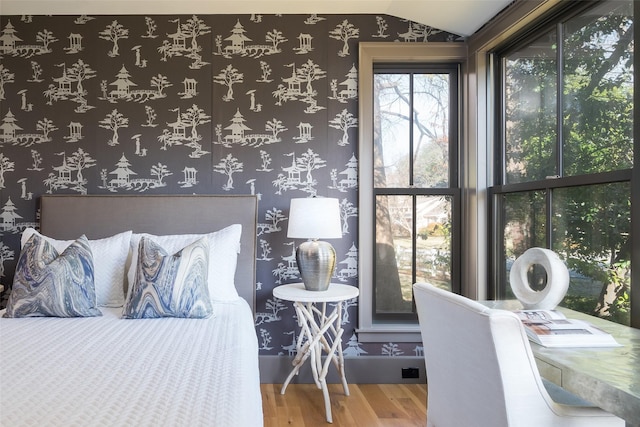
620	311
590	223
423	233
580	303
434	229
620	308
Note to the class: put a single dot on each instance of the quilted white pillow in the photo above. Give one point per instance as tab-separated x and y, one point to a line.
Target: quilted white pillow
224	246
110	256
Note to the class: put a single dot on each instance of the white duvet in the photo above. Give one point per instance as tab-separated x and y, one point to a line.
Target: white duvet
108	371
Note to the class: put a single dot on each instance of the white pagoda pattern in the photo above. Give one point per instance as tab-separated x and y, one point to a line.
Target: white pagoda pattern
185	104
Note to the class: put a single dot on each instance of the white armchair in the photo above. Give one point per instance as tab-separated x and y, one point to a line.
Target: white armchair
481	371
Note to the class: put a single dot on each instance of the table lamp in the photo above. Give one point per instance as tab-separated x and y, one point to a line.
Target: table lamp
315	218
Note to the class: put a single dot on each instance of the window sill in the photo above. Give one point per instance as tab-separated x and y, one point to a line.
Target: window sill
390	333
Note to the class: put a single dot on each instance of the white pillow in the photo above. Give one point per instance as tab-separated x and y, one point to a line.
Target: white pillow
224	246
109	255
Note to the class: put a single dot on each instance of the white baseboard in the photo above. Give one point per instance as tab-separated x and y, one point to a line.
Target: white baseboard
359	370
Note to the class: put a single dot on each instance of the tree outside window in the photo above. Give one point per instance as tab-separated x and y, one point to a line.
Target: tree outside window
567	139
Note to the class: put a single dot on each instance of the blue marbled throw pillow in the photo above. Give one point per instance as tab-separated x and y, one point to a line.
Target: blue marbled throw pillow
50	284
170	285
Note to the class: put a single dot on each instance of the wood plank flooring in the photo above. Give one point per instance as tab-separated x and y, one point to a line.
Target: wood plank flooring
369	405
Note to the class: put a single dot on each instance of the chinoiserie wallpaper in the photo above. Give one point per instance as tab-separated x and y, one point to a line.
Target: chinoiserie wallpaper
214	104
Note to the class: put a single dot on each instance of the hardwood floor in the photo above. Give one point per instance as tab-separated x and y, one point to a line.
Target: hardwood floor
369	405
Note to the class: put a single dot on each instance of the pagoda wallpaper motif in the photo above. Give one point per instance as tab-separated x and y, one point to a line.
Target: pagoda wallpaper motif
215	104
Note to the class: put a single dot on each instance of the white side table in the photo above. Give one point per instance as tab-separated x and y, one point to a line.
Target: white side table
320	331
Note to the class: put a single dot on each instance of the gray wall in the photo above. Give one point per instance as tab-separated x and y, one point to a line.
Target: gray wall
215	104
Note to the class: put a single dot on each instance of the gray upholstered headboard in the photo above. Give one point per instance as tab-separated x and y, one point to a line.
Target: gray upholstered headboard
98	216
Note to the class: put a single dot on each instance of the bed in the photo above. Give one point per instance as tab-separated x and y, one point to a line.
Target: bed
106	370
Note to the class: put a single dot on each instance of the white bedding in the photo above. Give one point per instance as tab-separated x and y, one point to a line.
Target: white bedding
108	371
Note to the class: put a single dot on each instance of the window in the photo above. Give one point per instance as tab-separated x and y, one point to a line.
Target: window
565	154
409	190
415	183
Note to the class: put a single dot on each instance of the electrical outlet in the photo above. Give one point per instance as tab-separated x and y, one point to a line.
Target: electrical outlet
410	373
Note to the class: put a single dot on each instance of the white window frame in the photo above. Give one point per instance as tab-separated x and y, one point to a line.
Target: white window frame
369	54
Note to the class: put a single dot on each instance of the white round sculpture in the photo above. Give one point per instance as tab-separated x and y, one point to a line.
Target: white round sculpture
557	279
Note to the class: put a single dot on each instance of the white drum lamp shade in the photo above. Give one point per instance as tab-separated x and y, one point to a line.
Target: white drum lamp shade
315	218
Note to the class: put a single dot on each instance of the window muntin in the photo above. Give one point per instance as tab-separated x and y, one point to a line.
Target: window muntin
571	192
524	226
414	170
597	94
413	244
431	128
531	110
413	127
592	231
392	167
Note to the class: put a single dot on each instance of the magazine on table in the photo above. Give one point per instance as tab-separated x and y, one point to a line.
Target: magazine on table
550	328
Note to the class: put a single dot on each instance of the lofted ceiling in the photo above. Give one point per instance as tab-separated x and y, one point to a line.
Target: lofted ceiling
462	17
